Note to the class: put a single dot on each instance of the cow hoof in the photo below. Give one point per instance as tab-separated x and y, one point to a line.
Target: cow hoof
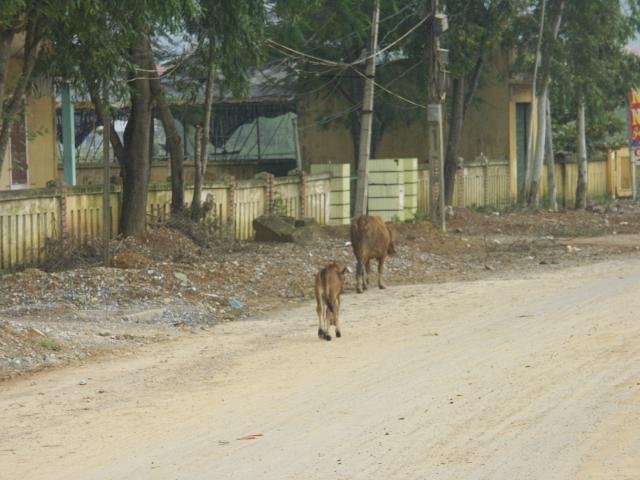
359	290
382	287
327	337
320	333
338	334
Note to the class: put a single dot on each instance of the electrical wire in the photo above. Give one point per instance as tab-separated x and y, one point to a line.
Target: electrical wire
323	61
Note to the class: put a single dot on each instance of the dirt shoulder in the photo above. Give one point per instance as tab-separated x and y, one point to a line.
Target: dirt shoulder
168	287
522	378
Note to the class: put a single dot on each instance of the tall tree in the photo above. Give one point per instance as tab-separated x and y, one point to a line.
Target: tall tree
230	35
475	30
534	91
552	189
173	139
98	39
593	75
304	34
549	39
28	22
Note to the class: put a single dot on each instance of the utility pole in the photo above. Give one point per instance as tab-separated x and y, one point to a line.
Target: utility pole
366	118
68	136
436	25
106	181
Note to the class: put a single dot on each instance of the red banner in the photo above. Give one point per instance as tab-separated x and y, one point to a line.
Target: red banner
634	118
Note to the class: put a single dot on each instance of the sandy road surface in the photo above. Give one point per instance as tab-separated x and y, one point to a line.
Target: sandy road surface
534	378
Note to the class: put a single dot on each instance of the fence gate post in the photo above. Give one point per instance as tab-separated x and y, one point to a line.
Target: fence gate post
459	187
270	194
64	221
303	195
231	207
485	172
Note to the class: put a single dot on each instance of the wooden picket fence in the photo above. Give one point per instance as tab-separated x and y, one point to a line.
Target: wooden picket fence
29	218
485	183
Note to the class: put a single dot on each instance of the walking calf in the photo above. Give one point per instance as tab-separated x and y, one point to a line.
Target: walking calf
329	284
371	239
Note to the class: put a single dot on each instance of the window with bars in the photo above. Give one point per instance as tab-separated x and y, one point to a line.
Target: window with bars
19	152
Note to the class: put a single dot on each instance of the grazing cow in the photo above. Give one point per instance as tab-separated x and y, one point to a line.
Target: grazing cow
371	239
329	284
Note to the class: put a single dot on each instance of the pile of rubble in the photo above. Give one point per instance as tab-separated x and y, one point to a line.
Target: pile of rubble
163	284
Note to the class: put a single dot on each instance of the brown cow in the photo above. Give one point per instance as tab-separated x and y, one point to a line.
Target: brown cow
371	239
329	284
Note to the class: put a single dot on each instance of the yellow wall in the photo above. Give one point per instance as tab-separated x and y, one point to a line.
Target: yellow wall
489	127
486	126
404	141
324	144
519	93
41	148
490	124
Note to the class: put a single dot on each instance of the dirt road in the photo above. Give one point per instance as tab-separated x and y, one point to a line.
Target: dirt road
535	378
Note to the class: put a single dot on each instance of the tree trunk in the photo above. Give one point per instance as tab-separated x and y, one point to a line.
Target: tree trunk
581	187
541	137
6	37
376	136
201	159
174	142
533	199
529	156
462	97
455	136
137	138
355	139
552	189
116	144
366	118
11	107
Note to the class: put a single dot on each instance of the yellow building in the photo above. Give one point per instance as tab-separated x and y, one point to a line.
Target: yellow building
496	126
30	160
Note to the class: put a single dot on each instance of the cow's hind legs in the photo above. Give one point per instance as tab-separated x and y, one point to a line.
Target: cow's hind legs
380	271
367	273
326	324
321	309
359	276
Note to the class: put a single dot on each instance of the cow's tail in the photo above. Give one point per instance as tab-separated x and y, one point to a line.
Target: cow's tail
329	302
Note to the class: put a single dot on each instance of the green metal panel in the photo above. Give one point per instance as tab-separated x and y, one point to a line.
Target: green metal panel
68	136
523	111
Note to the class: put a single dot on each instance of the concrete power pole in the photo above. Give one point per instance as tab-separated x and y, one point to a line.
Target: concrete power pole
366	118
106	182
436	24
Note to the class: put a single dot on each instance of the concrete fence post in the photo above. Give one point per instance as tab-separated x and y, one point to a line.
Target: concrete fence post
303	195
459	188
231	199
340	201
485	175
64	220
269	199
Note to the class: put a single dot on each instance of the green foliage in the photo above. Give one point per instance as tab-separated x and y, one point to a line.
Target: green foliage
477	28
235	29
278	206
11	12
591	62
50	344
92	39
419	217
338	31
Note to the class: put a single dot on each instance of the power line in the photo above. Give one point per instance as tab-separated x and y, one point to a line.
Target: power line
323	61
385	89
